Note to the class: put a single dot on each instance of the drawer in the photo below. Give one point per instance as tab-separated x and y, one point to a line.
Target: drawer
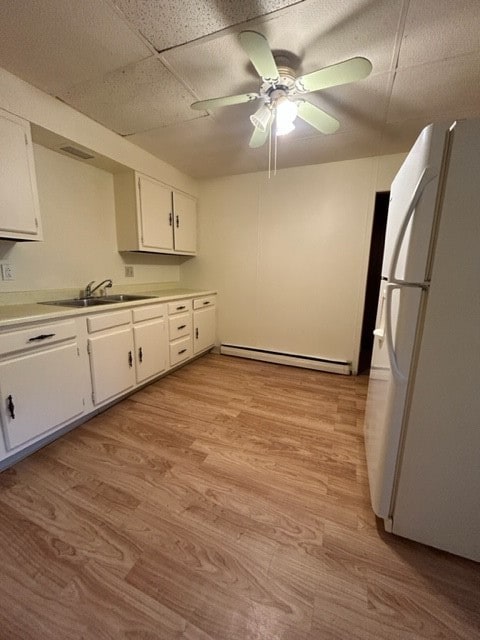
180	350
180	325
37	336
201	303
180	306
108	320
149	313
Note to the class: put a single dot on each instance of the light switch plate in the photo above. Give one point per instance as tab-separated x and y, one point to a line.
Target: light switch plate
128	271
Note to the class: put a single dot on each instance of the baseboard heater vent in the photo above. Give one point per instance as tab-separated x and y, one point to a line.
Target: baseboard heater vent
291	359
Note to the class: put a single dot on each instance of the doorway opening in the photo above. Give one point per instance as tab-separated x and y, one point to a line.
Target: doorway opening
374	274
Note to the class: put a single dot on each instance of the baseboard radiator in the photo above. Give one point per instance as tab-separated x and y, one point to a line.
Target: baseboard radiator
291	359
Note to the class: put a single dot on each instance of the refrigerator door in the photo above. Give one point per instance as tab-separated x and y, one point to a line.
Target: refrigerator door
398	316
414	190
408	245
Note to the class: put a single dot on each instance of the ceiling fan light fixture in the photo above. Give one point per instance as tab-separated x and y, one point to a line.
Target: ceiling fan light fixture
285	114
261	118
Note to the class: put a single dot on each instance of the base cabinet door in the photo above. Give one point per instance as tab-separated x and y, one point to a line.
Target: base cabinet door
40	391
204	329
112	364
150	348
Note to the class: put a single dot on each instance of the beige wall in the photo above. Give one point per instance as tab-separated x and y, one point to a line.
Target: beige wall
78	215
289	255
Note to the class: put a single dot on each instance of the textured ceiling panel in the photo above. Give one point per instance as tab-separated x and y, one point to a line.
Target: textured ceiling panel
171	23
54	44
329	32
438	29
445	88
213	148
136	98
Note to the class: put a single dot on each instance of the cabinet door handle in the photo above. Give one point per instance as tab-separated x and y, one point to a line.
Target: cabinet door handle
42	336
180	308
130	359
177	220
140	354
170	218
196	333
181	351
207	302
11	407
182	326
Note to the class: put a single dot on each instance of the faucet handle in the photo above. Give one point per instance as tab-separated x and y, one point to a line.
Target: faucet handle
88	289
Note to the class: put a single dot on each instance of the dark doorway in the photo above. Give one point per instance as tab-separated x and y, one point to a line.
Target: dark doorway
377	243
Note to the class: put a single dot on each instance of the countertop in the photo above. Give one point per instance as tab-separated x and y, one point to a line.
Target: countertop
13	314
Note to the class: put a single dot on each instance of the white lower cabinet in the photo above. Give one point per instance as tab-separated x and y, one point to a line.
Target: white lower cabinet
150	338
46	376
126	348
204	323
111	364
42	377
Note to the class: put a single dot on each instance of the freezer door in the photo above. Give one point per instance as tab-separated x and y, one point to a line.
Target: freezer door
424	159
398	314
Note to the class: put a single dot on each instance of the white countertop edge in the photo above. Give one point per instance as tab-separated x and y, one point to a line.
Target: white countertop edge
15	314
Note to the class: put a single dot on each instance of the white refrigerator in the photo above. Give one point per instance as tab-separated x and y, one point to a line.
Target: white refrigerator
422	423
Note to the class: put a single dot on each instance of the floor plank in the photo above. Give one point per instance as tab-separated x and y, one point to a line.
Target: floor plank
227	501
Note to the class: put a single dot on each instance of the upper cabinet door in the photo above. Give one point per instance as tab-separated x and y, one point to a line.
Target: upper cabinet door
19	209
156	215
185	210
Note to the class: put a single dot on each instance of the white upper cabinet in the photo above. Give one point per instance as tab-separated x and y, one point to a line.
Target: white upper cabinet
185	230
153	217
19	209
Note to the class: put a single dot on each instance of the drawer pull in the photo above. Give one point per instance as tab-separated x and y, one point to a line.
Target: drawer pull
177	220
42	336
130	359
207	302
196	333
182	307
11	407
140	354
182	326
181	351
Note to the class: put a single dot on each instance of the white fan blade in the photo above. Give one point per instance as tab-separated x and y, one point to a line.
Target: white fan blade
259	137
258	50
213	103
316	117
336	74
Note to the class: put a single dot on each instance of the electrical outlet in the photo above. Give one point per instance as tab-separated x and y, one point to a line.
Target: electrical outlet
8	272
128	271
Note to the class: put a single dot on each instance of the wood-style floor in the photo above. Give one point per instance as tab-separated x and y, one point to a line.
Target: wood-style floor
228	501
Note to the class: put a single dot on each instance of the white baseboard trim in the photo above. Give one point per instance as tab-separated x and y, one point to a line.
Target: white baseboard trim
290	359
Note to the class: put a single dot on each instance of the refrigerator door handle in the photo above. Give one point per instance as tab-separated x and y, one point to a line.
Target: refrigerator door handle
392	356
428	174
379	332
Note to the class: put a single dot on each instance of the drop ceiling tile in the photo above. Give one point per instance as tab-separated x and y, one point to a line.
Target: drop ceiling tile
203	147
444	88
329	32
136	98
55	44
439	29
169	23
316	150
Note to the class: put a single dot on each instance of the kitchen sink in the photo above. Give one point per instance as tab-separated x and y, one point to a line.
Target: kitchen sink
93	302
125	297
79	302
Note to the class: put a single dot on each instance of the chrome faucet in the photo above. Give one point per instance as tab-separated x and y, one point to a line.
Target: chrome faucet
89	291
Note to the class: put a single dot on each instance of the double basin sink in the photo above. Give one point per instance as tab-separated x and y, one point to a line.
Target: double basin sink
93	302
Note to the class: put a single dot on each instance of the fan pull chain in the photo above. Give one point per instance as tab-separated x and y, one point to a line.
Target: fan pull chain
269	150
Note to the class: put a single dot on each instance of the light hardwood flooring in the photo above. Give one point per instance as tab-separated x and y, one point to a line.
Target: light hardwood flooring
227	501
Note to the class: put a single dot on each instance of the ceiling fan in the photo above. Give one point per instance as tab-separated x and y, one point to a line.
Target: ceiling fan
281	91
